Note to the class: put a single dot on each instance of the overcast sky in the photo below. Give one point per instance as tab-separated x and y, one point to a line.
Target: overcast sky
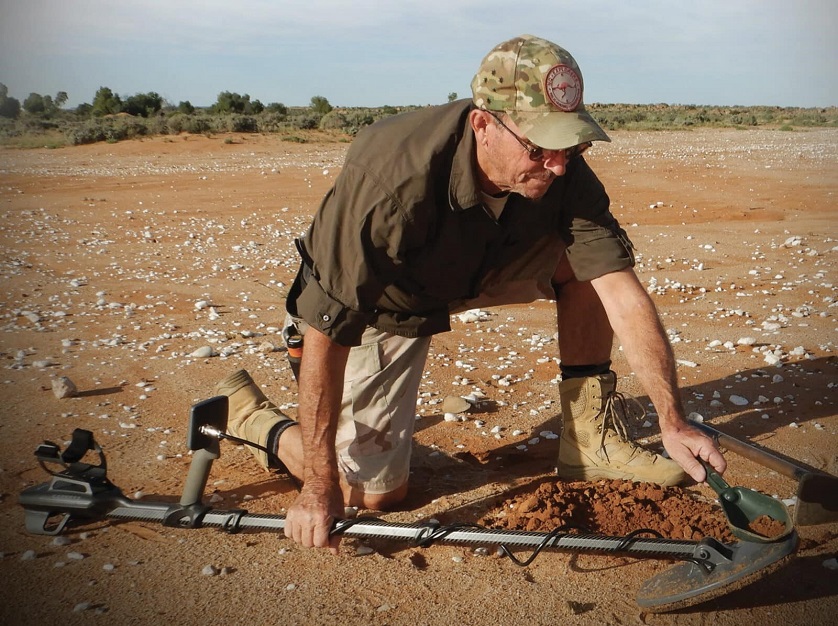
400	52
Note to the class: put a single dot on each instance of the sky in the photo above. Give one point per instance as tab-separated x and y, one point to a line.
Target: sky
416	52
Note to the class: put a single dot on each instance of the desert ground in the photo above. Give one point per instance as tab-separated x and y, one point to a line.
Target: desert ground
146	271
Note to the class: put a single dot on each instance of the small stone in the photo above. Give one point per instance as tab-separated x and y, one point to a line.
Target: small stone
209	570
75	556
364	550
82	606
831	564
738	400
63	387
455	404
203	352
29	555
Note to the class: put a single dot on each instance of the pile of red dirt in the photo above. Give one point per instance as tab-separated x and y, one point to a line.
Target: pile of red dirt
614	508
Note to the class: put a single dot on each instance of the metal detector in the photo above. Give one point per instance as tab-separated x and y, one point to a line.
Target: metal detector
81	492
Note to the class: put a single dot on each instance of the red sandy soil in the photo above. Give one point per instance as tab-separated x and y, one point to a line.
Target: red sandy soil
107	251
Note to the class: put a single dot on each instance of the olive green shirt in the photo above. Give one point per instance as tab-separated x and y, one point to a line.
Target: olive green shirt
403	234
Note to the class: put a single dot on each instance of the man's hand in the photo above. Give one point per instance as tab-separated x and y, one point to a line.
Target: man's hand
311	517
686	444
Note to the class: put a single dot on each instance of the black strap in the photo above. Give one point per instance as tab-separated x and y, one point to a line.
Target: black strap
81	443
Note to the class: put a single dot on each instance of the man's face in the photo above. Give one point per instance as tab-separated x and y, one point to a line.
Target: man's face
509	166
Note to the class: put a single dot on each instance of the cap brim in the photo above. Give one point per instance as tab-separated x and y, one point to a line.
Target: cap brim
556	130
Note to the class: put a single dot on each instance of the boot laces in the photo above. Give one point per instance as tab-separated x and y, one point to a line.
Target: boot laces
614	419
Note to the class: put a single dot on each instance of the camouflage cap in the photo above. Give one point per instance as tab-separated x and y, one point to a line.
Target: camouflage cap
539	85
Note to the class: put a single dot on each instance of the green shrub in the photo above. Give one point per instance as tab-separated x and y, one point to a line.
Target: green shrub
333	120
242	124
197	125
272	122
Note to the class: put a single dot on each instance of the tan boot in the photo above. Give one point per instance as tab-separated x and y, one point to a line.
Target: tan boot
594	443
251	415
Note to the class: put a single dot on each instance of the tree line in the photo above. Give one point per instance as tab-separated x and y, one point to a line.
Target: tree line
43	120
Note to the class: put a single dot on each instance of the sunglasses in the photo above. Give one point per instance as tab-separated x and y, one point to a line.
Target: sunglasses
536	153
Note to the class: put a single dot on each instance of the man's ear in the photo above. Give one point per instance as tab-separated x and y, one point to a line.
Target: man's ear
479	120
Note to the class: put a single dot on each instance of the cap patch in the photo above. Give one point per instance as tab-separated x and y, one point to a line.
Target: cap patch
564	87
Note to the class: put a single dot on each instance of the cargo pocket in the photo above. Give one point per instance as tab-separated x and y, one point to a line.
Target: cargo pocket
366	390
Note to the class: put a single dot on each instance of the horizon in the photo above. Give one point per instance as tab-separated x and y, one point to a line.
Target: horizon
720	54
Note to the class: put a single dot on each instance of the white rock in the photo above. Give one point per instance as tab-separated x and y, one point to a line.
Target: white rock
203	352
831	563
209	570
63	387
738	400
773	359
29	555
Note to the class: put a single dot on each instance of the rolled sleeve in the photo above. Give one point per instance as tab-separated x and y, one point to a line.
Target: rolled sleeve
332	318
597	250
597	245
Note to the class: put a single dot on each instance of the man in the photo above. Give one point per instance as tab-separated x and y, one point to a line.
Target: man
470	204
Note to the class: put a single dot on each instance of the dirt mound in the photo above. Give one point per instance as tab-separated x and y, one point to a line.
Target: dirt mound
614	508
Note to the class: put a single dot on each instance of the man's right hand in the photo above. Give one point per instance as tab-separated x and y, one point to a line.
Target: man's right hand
310	519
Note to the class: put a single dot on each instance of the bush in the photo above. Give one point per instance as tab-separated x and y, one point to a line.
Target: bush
198	125
242	124
271	122
333	120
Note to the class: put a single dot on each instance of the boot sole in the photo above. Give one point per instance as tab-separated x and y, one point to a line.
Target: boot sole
591	474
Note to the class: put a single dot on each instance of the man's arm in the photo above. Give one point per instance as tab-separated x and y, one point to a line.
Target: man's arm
320	502
635	321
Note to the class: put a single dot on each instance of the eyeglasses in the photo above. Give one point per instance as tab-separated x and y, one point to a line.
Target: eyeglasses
537	153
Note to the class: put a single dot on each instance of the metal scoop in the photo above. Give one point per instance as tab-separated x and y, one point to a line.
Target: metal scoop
743	506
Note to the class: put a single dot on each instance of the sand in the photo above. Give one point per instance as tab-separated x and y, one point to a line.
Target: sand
119	261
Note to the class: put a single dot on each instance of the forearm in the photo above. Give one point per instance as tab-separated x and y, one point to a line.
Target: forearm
321	389
635	321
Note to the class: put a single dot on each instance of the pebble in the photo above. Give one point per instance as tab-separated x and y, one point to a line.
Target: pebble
29	555
209	570
738	400
63	387
204	352
831	563
75	556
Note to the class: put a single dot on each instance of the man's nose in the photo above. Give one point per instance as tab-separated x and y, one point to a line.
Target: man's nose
555	161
